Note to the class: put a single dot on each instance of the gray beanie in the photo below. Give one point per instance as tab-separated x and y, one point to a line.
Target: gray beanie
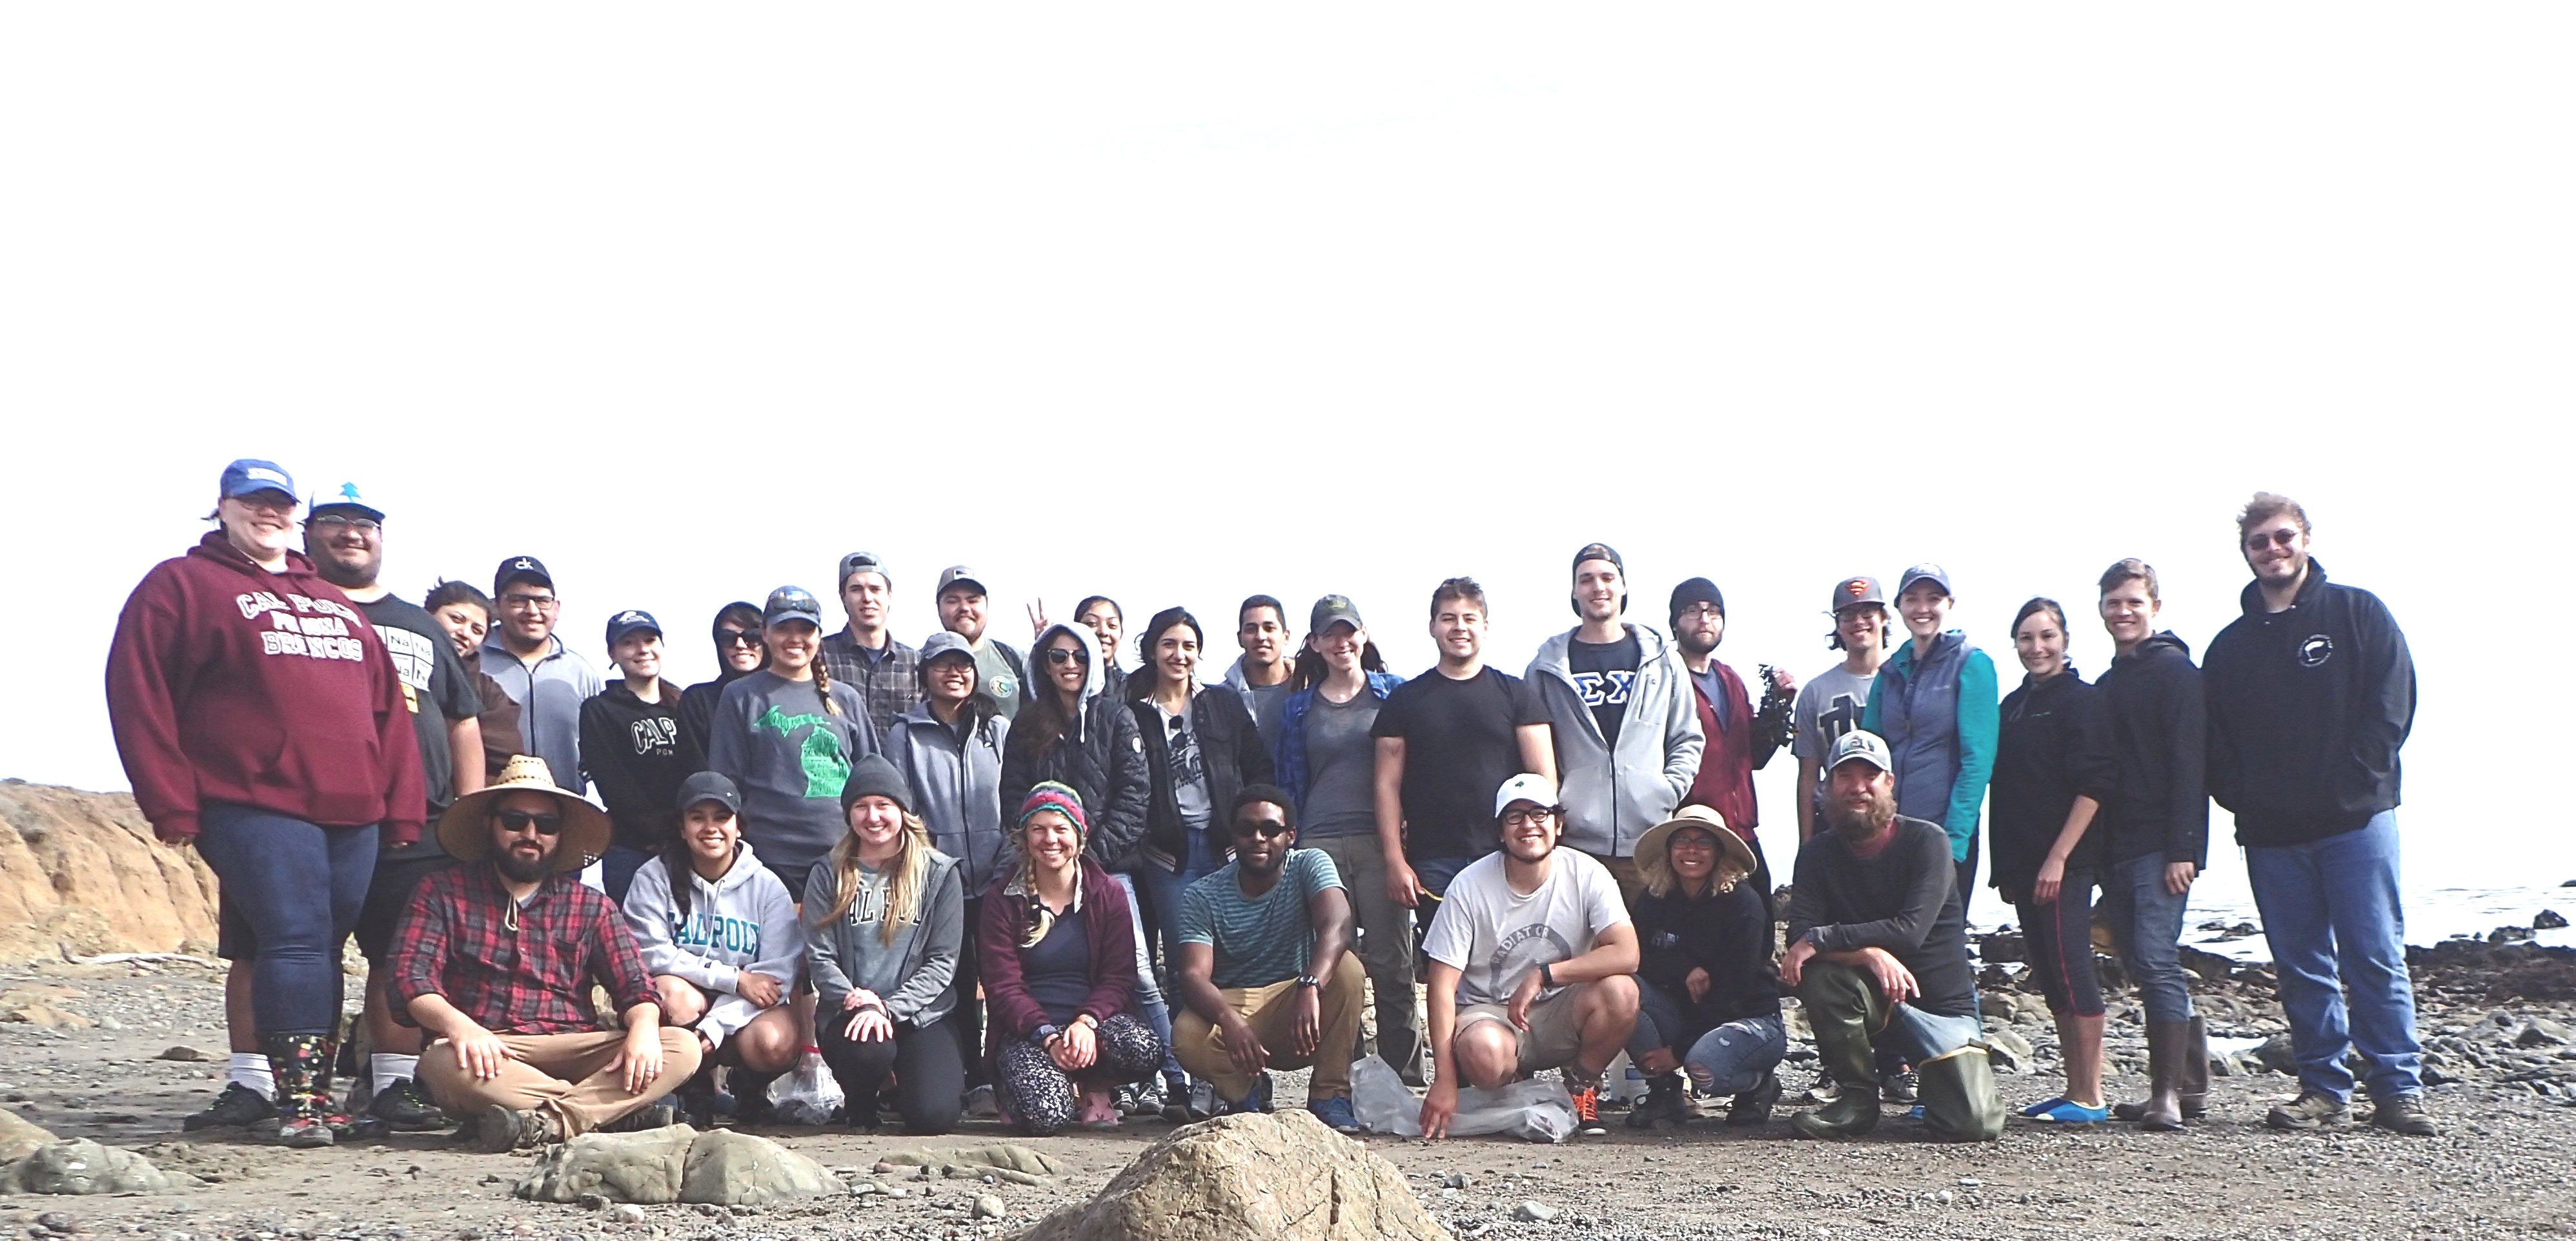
873	776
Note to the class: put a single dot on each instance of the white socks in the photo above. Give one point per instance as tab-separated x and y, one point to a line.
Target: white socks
390	1069
250	1070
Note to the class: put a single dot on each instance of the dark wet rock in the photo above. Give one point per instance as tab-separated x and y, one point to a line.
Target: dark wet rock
2549	920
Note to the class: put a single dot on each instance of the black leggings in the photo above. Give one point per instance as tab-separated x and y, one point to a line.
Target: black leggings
929	1075
1041	1095
2058	939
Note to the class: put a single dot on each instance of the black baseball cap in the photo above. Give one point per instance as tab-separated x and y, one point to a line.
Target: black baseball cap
711	786
631	621
517	569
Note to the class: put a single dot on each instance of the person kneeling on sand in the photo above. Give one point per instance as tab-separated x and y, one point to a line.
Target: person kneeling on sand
1059	957
1532	964
1708	1000
719	935
1878	953
495	959
1264	963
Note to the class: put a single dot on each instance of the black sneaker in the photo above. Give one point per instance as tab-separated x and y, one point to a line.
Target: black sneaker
237	1106
1898	1087
405	1108
2403	1114
650	1116
2313	1109
1664	1101
1753	1107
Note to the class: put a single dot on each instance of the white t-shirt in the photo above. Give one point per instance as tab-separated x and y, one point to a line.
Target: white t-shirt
1495	936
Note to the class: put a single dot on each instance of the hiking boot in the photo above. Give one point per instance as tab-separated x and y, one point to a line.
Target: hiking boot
1853	1112
1587	1110
498	1131
650	1116
2403	1114
1336	1114
405	1108
237	1106
1899	1086
1753	1107
2313	1109
1664	1101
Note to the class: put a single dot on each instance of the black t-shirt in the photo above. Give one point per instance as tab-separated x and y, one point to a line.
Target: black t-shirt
1057	971
437	690
1459	746
1604	672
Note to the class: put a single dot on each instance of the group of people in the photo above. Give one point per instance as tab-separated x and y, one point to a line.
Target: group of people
969	877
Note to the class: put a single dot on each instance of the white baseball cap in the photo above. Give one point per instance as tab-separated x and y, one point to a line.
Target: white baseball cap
1535	789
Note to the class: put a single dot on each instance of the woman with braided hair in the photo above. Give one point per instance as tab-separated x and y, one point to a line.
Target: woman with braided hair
786	736
1059	959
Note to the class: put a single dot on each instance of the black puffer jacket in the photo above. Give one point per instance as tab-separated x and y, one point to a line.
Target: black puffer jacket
1229	744
1101	759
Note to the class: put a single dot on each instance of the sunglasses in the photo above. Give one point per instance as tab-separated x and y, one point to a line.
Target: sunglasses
515	821
737	637
1063	655
2274	538
1259	827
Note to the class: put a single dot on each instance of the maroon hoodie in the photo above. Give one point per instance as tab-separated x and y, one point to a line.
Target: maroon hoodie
1725	780
229	683
1006	919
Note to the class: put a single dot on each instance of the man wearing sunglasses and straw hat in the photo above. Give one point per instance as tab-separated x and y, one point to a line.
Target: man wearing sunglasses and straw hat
495	959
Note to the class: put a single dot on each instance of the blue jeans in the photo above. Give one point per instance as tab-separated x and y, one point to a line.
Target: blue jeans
1149	996
300	887
1919	1036
2146	921
2332	917
1163	888
1735	1057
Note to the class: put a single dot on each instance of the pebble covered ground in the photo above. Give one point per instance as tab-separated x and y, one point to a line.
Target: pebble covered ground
2507	1103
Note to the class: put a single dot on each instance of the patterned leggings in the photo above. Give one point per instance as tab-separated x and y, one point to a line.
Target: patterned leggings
1041	1095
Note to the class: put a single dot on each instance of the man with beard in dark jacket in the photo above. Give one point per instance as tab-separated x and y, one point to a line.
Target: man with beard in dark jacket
2311	693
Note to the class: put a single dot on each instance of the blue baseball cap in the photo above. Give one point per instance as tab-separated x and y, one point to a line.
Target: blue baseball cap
1925	572
250	476
791	603
631	621
345	497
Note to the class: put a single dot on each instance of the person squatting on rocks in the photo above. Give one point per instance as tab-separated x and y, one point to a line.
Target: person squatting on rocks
1059	952
1262	958
1878	955
1708	1000
1533	964
885	921
261	719
496	958
719	936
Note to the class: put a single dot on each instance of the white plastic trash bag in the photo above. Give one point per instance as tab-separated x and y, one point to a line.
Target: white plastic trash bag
1537	1110
807	1094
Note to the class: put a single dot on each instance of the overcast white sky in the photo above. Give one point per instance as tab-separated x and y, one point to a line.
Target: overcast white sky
1178	305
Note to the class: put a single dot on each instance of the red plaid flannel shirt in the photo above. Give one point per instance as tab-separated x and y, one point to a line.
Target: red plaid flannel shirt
514	969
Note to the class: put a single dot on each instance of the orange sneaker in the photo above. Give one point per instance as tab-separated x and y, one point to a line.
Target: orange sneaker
1587	1111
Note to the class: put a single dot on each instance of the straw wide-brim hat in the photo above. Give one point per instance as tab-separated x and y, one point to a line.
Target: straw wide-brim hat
1654	863
464	834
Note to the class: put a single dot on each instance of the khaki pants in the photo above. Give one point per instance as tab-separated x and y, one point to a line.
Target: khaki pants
574	1076
1272	1010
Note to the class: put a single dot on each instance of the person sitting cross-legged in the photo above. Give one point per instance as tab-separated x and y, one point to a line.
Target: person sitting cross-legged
1533	963
1878	954
1266	967
495	958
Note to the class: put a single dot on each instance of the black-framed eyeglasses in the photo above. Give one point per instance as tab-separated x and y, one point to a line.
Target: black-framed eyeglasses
516	821
1536	814
531	603
363	525
737	637
1062	655
1260	827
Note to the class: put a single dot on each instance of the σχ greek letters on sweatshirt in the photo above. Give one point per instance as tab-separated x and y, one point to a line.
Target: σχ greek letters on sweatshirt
956	776
2307	709
1939	715
742	921
916	975
1612	797
229	683
789	755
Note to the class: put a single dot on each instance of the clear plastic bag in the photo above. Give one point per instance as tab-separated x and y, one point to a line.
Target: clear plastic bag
1537	1110
807	1094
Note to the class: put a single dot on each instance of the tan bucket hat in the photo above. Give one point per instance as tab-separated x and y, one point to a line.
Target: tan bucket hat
461	831
1654	864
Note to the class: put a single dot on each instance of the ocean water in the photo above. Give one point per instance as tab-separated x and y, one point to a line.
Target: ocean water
2433	913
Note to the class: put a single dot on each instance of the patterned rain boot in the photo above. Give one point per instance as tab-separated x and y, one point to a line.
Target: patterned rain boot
301	1064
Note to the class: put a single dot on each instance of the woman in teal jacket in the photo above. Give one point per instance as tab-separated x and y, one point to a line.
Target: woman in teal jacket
1935	705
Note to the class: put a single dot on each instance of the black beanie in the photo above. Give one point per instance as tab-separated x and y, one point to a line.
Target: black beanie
873	776
1694	590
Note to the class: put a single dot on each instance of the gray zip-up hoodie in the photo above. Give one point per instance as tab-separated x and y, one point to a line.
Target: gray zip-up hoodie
744	921
956	781
1611	799
916	975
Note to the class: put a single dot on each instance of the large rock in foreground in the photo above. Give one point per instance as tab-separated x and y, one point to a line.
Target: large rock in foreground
81	872
676	1164
1239	1177
81	1166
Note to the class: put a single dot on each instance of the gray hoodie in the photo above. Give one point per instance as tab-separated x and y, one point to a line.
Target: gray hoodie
916	975
744	921
1611	799
1262	704
956	781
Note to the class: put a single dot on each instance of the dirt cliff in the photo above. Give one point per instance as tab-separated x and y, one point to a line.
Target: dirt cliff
81	873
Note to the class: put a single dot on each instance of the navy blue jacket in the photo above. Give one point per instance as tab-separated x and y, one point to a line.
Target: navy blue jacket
2307	709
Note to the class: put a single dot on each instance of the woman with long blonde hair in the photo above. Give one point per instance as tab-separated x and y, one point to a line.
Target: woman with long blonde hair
885	919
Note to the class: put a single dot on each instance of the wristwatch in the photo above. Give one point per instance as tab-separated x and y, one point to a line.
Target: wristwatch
1309	980
1546	976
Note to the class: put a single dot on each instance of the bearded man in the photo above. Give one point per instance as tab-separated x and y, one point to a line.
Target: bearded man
1878	953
